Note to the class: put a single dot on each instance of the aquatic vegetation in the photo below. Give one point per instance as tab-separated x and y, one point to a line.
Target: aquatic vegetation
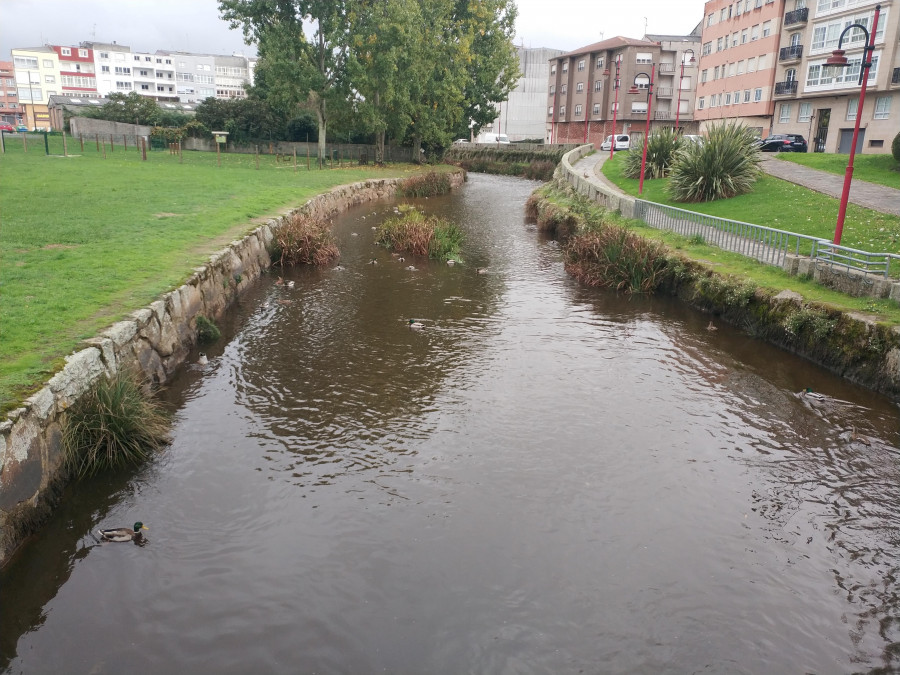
613	257
425	185
207	330
115	424
302	240
414	232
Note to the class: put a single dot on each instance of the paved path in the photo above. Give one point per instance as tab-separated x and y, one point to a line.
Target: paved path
870	195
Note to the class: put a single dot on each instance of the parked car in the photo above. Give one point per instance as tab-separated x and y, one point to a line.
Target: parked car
7	127
693	138
783	143
623	142
461	141
22	128
492	138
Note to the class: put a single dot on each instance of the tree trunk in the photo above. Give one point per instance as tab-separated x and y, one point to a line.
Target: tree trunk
323	128
417	149
379	136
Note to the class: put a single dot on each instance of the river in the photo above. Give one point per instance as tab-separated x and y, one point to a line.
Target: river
545	479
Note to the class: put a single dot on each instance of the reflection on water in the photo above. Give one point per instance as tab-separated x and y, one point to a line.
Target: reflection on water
546	478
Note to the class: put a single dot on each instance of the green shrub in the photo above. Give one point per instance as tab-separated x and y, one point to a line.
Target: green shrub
661	151
207	331
303	240
726	164
114	424
895	148
425	185
610	256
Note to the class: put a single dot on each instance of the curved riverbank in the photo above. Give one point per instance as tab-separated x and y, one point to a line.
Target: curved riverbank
154	340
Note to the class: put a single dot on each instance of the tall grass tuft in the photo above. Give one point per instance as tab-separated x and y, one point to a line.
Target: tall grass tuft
425	185
610	256
207	331
414	232
726	164
113	425
303	240
662	148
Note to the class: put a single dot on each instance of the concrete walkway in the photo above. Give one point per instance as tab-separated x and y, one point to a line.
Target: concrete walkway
870	195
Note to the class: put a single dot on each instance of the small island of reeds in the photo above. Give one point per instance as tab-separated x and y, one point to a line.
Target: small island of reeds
414	232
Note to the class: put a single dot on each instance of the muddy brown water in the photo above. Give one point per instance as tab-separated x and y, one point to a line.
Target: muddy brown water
546	479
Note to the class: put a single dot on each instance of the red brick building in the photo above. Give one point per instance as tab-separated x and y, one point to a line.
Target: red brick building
584	99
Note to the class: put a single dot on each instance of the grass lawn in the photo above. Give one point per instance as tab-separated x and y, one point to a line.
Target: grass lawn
783	205
882	169
86	240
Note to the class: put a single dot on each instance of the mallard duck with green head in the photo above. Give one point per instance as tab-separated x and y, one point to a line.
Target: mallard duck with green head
124	533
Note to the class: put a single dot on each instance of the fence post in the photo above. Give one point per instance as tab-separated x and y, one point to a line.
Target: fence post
112	145
24	142
81	140
65	145
104	148
180	156
125	142
2	143
257	157
295	159
143	149
97	138
46	144
307	155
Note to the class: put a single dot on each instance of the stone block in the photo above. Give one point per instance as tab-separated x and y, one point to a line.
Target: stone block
107	352
791	264
121	333
894	293
42	403
805	267
22	466
81	370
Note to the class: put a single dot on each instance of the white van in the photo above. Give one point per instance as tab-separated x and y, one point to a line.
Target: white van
623	142
493	138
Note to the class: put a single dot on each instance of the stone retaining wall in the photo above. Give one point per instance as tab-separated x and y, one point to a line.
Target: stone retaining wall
156	340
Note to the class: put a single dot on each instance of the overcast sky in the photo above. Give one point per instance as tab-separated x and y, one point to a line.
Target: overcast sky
195	26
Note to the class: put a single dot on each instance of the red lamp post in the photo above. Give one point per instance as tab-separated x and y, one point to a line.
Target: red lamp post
838	60
634	89
678	105
612	146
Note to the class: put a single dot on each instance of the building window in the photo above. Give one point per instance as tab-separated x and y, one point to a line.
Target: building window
552	69
563	88
599	62
145	87
757	94
707	49
751	64
734	39
48	63
882	107
740	67
596	108
805	112
746	96
710	19
643	57
715	73
702	103
727	98
719	44
66	51
744	35
137	58
83	53
49	79
565	67
579	87
598	85
104	69
767	28
104	55
562	111
639	106
754	33
123	85
578	110
703	75
552	88
581	65
550	110
784	113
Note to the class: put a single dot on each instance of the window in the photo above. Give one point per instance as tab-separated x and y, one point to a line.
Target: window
701	103
169	62
104	55
716	73
727	98
754	33
596	109
790	75
719	44
731	67
685	83
805	112
643	57
852	108
734	39
581	65
710	20
157	60
757	94
145	87
563	88
639	106
562	111
737	7
552	69
784	113
552	88
707	49
704	74
579	87
599	62
104	69
746	96
614	108
763	61
882	107
147	59
137	58
83	53
767	28
49	79
598	85
25	62
740	67
120	70
65	51
744	34
578	110
123	85
159	87
565	67
826	35
48	63
143	73
737	97
723	14
757	4
550	110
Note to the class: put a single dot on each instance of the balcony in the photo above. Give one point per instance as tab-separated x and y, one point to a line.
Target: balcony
895	77
797	16
666	68
791	53
663	115
664	92
786	88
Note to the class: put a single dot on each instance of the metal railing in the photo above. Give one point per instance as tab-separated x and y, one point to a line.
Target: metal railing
664	92
790	53
666	68
765	244
783	88
895	76
796	16
665	115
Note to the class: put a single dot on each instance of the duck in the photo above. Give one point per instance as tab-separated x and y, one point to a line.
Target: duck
290	284
711	327
416	325
809	393
481	270
202	359
124	533
373	262
411	268
451	262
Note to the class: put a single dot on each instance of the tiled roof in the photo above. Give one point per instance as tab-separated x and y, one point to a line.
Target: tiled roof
613	43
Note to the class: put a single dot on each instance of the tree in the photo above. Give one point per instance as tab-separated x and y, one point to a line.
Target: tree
299	69
131	108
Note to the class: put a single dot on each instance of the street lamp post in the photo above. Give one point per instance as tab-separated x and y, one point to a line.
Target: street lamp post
612	146
838	60
680	79
643	77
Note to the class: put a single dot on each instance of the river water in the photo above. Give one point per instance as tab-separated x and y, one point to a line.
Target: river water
546	479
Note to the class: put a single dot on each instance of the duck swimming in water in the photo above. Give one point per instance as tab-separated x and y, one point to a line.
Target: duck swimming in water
123	533
416	325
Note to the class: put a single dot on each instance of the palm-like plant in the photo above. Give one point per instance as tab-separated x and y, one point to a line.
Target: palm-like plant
726	164
661	149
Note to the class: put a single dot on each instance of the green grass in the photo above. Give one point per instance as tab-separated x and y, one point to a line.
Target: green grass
86	240
881	169
782	205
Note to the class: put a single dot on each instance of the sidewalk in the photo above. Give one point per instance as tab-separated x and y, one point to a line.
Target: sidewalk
870	195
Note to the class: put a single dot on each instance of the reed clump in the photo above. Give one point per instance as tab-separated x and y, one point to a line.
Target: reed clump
610	256
302	240
414	232
114	424
207	330
428	184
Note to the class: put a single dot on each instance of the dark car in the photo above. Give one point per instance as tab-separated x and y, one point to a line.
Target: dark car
783	143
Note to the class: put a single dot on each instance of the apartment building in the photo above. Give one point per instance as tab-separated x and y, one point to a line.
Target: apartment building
522	115
113	65
154	76
37	78
232	74
821	102
606	84
740	42
10	112
196	76
77	74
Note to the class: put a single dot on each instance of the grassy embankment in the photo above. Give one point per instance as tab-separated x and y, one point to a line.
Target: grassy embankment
782	205
86	240
881	169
